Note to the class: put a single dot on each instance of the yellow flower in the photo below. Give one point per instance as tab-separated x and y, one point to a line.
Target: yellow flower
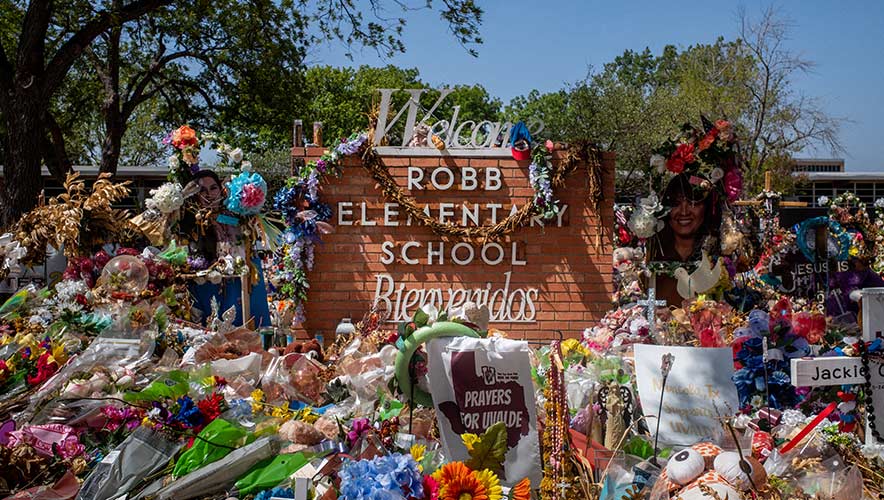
307	415
281	412
573	345
491	483
257	400
469	440
417	452
59	355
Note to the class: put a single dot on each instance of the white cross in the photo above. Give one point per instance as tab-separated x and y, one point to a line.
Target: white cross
651	304
563	485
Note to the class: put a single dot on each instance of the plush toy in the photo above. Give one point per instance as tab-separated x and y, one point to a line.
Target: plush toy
716	470
625	257
311	345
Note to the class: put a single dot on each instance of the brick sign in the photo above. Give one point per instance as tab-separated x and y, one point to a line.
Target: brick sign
550	275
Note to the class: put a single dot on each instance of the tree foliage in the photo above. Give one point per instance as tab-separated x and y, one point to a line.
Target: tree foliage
343	98
638	100
236	63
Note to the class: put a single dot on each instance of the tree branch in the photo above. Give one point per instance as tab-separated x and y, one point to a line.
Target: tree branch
76	44
58	163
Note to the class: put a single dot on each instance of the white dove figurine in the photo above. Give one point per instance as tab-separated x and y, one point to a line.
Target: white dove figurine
700	281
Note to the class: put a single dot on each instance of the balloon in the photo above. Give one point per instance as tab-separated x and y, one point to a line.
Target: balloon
422	335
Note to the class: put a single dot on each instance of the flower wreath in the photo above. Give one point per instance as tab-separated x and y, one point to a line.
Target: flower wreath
837	235
850	211
709	156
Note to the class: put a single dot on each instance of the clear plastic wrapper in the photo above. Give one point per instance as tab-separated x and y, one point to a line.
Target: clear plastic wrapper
143	453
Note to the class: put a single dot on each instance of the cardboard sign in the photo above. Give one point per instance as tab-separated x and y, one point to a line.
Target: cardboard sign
836	370
699	391
476	383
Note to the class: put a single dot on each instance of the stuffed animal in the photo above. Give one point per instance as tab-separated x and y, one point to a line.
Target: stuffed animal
625	257
717	471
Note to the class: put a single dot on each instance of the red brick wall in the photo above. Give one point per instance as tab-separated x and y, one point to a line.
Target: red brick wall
569	265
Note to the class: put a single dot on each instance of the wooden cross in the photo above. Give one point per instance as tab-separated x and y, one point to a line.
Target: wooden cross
652	304
767	188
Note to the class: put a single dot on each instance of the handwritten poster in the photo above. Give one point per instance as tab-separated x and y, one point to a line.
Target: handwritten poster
476	383
699	390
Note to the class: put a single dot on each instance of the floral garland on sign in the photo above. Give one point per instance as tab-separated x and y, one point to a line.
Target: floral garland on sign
549	176
306	216
306	219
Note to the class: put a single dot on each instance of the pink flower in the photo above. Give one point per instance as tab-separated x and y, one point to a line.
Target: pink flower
70	447
550	146
252	196
360	427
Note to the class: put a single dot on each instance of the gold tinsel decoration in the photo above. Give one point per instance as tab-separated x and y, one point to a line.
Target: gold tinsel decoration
575	155
76	220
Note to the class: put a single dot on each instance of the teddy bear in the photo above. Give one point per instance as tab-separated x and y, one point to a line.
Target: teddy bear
626	257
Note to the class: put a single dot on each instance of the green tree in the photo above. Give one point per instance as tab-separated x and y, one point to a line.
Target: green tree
343	98
43	40
639	99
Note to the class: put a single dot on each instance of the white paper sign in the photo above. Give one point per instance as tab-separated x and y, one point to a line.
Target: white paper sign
873	313
699	391
835	370
476	383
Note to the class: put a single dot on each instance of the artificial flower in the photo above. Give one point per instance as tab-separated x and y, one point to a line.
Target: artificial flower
469	440
733	184
658	163
458	482
521	491
167	198
236	155
417	451
248	191
683	155
725	130
183	137
491	483
188	413
431	488
708	139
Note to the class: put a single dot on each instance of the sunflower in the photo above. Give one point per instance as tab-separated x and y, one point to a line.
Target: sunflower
491	483
458	482
521	491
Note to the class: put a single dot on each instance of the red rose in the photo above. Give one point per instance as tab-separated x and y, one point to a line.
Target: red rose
625	237
683	155
708	139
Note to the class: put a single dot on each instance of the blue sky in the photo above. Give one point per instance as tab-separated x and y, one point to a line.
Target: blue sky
544	45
